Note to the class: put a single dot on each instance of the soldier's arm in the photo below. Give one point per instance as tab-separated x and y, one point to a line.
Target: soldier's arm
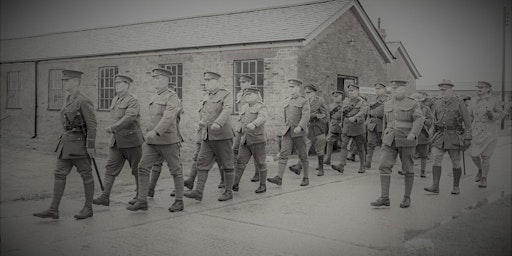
304	119
463	110
87	109
131	113
498	111
428	117
323	110
418	120
262	117
172	108
361	114
227	106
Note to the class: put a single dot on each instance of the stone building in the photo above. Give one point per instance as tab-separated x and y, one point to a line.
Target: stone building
328	43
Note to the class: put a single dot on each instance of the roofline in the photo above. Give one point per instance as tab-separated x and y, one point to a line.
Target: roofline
225	47
407	59
179	18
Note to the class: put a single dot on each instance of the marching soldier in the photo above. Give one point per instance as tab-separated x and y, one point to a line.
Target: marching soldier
352	124
163	141
76	145
485	110
253	116
335	114
403	121
294	131
316	129
451	134
374	122
424	136
245	82
126	140
216	137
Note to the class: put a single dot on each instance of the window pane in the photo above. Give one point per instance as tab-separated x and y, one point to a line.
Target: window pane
237	67
180	69
252	68
260	66
259	79
245	67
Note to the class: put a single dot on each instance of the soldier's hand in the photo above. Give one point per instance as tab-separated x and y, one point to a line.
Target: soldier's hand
108	129
251	126
215	126
410	137
467	144
151	134
91	152
297	129
352	119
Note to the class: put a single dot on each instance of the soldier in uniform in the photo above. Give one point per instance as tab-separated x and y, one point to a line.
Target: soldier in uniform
451	134
424	136
485	111
75	147
245	82
318	121
335	114
126	140
294	131
253	116
374	122
163	140
354	111
403	121
216	137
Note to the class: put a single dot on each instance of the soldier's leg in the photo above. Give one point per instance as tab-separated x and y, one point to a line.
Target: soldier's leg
340	167
388	159
113	167
62	169
150	156
422	149
259	154
372	143
455	156
360	145
189	182
319	144
486	165
300	146
297	168
437	154
223	152
205	160
156	170
83	166
478	162
331	139
133	155
244	155
284	153
171	154
406	157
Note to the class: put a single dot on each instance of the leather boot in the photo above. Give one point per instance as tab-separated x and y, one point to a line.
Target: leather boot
423	163
478	163
478	176
143	187
228	193
368	158
320	166
189	182
486	165
436	176
483	182
338	167
361	161
296	168
152	183
305	182
256	176
177	179
53	212
305	167
104	198
221	183
383	200
351	157
276	180
263	177
134	200
408	182
139	205
457	172
85	213
177	206
238	176
327	159
197	193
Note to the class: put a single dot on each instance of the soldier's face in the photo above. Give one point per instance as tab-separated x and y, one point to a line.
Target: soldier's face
160	82
482	90
353	93
398	91
446	92
337	98
293	89
250	97
310	94
380	90
211	84
71	85
244	84
121	87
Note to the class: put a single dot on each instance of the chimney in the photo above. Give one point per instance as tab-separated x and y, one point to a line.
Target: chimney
382	31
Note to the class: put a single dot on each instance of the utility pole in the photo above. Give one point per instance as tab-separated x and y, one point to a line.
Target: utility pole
503	60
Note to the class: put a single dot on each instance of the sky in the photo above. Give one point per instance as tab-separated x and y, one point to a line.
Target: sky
459	40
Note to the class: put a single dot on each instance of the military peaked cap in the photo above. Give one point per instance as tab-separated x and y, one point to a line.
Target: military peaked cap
211	75
161	72
68	74
483	83
379	84
246	78
295	82
123	78
311	87
397	82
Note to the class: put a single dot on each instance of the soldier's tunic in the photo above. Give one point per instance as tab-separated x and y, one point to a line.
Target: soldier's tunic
335	114
164	110
484	130
374	122
424	136
126	140
317	128
296	113
401	118
252	142
356	108
450	119
240	101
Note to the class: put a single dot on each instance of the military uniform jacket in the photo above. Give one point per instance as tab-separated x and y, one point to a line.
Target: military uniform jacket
484	130
164	109
126	131
376	113
450	116
296	113
216	107
240	101
356	108
402	117
424	136
79	122
318	118
257	115
335	114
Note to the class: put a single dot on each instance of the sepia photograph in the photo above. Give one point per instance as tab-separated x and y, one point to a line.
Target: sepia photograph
363	127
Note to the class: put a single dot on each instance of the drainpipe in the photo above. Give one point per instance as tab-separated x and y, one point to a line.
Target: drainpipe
35	101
